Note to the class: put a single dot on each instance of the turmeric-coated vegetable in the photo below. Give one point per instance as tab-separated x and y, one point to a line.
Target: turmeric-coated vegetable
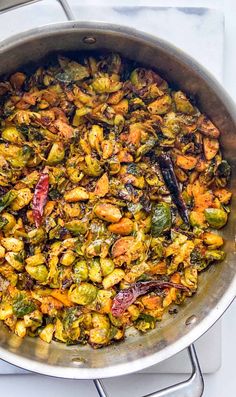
111	182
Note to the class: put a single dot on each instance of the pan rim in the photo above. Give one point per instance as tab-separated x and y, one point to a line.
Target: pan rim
229	295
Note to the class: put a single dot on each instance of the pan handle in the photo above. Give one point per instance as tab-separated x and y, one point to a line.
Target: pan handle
6	5
192	387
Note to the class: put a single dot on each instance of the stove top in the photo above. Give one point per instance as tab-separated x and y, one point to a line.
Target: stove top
202	26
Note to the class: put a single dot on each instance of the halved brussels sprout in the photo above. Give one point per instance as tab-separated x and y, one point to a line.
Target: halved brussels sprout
12	244
20	328
39	272
182	104
56	154
6	310
215	255
95	136
47	332
80	271
33	319
107	266
36	259
36	236
92	167
212	239
197	219
23	198
216	217
15	260
105	84
211	147
77	226
76	194
113	278
161	105
107	212
13	135
83	294
124	227
15	155
68	258
95	273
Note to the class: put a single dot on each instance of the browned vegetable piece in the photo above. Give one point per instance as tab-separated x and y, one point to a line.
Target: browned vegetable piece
121	246
160	105
17	80
102	186
134	135
123	227
135	181
207	128
183	105
223	195
122	107
211	147
76	194
212	239
107	149
107	212
186	162
125	157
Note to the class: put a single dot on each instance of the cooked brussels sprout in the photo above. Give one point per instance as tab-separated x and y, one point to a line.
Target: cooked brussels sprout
13	135
113	278
36	260
216	217
105	84
68	258
12	244
77	227
56	154
161	105
107	266
46	333
182	104
23	198
95	273
72	71
124	227
212	239
22	306
76	194
15	260
215	255
110	184
80	271
108	212
83	294
39	272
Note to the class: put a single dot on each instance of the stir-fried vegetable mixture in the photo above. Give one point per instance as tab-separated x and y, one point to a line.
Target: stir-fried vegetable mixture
110	184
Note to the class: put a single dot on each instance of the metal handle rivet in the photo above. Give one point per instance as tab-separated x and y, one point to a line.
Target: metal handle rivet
191	320
89	40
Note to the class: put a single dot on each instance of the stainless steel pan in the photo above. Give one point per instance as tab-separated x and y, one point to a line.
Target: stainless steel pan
217	286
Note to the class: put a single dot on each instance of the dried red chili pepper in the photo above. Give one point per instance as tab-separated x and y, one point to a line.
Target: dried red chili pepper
170	180
40	198
127	296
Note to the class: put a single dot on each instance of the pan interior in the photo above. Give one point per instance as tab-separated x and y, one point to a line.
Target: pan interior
216	285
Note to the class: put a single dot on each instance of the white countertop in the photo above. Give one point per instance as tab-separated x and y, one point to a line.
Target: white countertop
223	382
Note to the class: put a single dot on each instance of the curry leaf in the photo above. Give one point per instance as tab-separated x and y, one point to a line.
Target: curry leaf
161	219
